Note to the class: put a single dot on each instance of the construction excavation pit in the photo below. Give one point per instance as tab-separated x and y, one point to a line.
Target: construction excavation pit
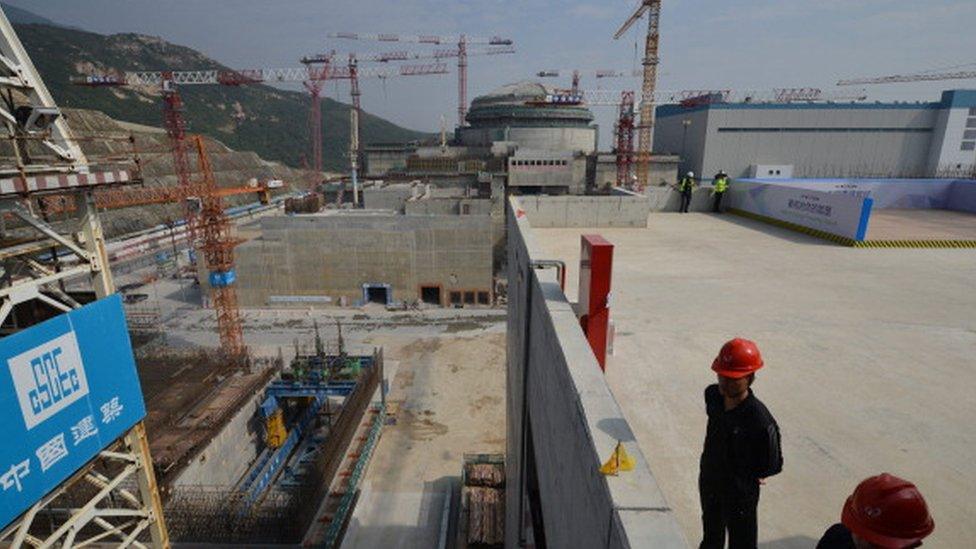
268	455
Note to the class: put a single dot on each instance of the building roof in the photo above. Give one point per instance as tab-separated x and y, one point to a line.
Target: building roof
951	99
516	93
523	104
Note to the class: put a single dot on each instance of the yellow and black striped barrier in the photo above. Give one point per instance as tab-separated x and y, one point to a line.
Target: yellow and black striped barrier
845	241
916	244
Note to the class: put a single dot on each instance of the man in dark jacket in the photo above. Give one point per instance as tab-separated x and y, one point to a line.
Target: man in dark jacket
742	448
884	512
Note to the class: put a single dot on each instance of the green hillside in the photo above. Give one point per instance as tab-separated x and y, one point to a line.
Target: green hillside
262	119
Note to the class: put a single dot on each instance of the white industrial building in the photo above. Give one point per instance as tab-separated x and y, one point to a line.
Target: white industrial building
770	140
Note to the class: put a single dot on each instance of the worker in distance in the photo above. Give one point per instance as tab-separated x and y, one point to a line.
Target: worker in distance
685	188
720	184
742	449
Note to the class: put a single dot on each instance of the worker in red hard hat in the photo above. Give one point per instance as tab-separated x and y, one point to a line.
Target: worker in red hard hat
742	449
884	512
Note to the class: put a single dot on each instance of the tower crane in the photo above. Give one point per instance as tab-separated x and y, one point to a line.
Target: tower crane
461	53
324	64
404	55
312	77
204	223
644	128
577	74
611	98
928	76
322	68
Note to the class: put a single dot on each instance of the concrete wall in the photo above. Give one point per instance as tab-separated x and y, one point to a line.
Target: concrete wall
586	211
563	422
548	169
225	460
381	160
448	206
663	170
387	198
322	258
666	199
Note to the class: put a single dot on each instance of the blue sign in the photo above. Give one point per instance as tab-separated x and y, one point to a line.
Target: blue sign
68	389
220	279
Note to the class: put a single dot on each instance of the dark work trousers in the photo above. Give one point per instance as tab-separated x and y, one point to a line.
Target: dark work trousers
722	511
685	201
717	205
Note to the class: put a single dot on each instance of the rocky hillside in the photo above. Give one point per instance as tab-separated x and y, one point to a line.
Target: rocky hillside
262	119
231	168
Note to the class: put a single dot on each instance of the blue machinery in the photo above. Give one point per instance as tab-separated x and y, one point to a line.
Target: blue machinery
270	462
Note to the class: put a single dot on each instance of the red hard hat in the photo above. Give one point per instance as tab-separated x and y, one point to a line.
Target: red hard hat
738	358
888	512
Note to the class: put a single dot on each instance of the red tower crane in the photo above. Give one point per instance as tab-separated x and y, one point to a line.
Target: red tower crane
322	68
206	221
352	73
316	81
625	139
461	53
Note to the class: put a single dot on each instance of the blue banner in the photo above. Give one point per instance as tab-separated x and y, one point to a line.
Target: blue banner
841	214
68	389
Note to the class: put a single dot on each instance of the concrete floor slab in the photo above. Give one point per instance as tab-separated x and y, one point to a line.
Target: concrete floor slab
921	225
448	397
869	359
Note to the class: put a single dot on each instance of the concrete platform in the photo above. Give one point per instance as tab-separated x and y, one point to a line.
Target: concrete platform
869	359
448	397
917	224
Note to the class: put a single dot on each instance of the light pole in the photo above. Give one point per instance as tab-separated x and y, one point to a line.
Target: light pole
684	136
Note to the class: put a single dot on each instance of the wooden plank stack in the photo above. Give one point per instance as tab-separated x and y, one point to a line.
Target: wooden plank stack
483	497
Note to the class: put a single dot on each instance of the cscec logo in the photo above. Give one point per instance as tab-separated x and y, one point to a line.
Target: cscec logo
48	378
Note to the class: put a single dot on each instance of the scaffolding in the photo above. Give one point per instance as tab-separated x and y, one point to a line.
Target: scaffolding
113	498
227	515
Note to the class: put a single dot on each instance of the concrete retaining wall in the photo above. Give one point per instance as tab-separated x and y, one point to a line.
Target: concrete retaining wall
317	260
386	198
563	422
586	211
447	206
225	460
666	199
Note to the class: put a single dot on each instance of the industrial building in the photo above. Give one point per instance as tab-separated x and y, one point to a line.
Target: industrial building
526	134
783	140
524	114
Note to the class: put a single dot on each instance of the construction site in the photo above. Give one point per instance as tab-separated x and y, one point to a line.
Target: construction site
219	330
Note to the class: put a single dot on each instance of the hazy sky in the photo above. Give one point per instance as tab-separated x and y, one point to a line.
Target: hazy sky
738	44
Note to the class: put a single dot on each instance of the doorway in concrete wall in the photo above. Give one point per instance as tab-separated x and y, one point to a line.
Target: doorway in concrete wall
431	294
377	293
